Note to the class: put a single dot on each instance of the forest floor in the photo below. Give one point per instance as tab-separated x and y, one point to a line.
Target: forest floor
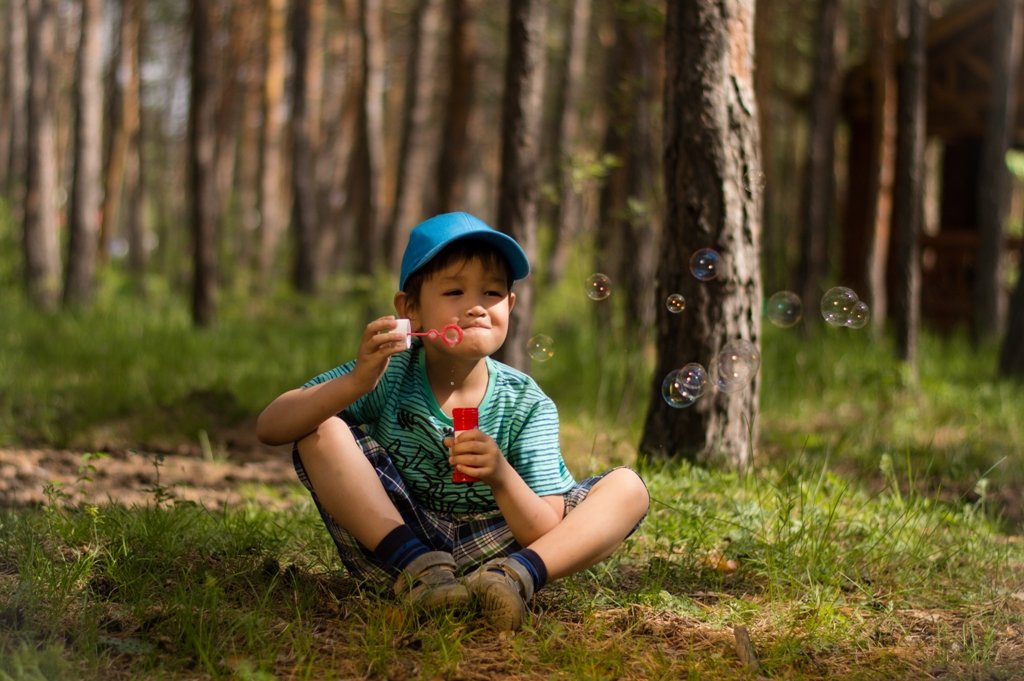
128	476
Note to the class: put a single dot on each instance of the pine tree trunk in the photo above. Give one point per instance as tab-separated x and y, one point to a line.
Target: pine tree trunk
134	186
520	128
711	146
86	194
908	211
202	165
462	58
993	178
272	183
419	133
1011	356
569	215
42	208
307	33
17	80
883	167
819	186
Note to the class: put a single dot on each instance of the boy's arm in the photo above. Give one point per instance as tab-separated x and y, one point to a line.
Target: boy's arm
529	516
299	412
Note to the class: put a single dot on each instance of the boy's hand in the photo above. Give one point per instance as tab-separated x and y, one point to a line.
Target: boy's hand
476	453
380	341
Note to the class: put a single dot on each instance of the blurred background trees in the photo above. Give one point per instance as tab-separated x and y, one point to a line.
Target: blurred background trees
248	147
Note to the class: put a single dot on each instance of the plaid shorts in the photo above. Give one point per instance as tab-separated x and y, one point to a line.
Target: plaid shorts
471	538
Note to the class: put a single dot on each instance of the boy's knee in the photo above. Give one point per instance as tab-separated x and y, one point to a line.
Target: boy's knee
631	488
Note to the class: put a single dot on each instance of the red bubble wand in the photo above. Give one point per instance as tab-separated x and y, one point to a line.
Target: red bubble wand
451	334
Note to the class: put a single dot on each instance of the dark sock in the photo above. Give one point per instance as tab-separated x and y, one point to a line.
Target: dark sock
534	565
400	547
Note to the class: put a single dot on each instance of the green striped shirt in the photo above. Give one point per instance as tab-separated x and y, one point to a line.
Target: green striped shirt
403	416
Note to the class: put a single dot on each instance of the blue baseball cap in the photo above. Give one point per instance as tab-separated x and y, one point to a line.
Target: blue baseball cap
428	238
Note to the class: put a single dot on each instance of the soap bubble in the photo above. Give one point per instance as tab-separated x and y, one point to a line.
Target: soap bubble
859	315
599	286
675	303
540	348
784	309
754	181
837	304
735	366
682	387
705	263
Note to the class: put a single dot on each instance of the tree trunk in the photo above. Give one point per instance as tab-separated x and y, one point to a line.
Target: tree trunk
711	146
202	147
14	161
462	58
520	127
569	219
272	184
1011	357
993	178
819	185
908	212
42	206
419	134
86	194
883	149
115	141
629	211
134	194
307	34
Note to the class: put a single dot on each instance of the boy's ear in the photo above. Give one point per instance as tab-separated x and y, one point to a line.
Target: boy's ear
511	300
403	305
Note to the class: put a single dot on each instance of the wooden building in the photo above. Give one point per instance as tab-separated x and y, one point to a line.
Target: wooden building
958	94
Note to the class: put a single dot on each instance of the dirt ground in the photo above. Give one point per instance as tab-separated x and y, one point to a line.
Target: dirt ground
133	476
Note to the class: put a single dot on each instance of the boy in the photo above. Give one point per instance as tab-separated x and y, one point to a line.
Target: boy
374	444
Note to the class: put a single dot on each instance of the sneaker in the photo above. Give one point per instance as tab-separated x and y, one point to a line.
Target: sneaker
429	582
502	587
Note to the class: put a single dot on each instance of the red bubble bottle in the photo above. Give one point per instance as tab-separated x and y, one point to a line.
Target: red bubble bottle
464	418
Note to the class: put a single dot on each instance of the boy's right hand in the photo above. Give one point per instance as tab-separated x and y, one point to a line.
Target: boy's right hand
380	341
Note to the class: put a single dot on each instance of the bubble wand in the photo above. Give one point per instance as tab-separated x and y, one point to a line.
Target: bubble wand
451	334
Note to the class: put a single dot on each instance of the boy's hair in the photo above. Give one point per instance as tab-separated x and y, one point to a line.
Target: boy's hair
463	250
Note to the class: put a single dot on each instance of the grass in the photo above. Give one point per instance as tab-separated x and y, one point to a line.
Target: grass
878	538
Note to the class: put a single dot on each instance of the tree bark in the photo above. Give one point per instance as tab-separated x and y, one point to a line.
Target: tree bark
202	148
462	58
1011	356
134	168
307	34
41	241
993	178
272	184
419	133
86	194
14	161
520	127
817	207
569	216
908	212
883	148
711	146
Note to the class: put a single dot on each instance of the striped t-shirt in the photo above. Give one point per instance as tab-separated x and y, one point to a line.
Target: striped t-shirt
403	416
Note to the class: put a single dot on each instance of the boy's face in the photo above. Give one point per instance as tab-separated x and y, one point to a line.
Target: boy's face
467	293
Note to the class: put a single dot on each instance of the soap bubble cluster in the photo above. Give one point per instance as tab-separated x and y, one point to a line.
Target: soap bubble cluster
840	306
682	387
735	366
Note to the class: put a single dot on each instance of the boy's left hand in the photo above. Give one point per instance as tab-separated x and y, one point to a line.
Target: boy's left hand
476	453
